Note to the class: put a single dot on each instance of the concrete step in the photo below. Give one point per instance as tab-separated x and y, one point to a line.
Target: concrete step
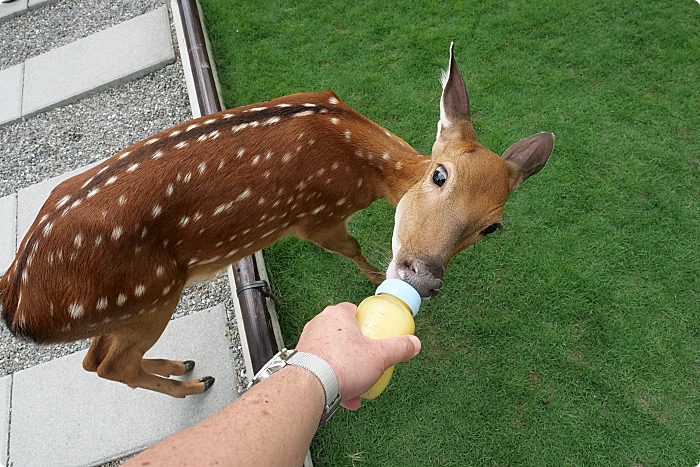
110	57
19	7
62	415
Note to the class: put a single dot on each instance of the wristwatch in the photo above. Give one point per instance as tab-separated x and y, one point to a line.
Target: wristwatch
316	365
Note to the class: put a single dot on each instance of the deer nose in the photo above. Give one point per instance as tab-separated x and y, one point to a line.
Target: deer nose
424	274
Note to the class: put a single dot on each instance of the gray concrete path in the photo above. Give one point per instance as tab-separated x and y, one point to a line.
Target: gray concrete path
19	7
110	57
56	414
65	416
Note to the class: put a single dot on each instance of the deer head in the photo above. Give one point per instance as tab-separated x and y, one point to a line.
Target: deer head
460	198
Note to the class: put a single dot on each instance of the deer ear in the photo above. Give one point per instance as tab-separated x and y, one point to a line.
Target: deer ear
527	157
454	103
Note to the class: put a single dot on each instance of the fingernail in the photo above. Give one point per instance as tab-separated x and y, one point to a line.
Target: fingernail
416	343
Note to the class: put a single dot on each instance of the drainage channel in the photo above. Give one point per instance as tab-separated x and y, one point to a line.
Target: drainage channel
256	317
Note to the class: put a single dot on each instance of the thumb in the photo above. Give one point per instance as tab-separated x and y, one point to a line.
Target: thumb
400	348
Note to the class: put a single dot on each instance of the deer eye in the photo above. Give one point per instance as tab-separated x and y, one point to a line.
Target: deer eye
440	175
491	228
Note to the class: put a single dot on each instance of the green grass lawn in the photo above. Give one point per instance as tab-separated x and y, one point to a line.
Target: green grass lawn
572	338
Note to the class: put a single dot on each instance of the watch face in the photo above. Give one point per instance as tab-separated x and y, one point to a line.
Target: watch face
276	365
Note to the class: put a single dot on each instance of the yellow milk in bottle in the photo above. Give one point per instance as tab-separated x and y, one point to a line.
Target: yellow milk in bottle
386	314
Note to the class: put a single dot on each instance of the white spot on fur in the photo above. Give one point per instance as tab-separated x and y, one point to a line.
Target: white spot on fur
255	160
286	157
47	228
272	120
335	121
240	152
169	190
121	299
63	201
211	120
175	133
76	310
151	141
181	145
111	180
399	165
78	240
191	127
125	154
140	290
303	114
231	253
157	209
98	240
184	221
243	195
102	304
157	155
340	202
159	271
318	209
188	177
333	100
116	233
103	169
132	167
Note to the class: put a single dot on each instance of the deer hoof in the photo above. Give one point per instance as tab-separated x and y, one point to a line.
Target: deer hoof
189	366
208	382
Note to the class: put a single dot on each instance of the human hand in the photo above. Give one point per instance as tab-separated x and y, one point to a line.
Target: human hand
357	360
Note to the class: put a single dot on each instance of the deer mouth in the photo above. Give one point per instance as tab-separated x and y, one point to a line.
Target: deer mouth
423	273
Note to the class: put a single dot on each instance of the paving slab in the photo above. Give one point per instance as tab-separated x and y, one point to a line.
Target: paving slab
31	199
11	92
83	420
110	57
35	4
12	9
5	391
8	230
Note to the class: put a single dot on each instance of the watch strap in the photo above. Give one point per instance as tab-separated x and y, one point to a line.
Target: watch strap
316	365
326	376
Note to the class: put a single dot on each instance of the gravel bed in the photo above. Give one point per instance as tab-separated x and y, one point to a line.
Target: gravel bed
89	130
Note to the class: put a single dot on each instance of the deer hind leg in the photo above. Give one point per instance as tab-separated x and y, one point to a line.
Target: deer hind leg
335	237
162	367
119	357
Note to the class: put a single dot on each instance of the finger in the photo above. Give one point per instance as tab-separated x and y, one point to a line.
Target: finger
352	404
400	348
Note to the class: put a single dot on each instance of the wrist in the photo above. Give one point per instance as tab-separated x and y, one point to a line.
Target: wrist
314	366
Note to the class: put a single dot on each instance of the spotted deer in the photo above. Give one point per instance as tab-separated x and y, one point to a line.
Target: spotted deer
112	248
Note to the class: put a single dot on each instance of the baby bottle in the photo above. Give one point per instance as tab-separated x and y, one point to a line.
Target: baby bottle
386	314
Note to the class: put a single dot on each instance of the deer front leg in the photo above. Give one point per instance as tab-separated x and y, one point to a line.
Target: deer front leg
336	238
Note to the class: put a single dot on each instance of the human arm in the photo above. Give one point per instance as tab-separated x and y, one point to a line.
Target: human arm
273	423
